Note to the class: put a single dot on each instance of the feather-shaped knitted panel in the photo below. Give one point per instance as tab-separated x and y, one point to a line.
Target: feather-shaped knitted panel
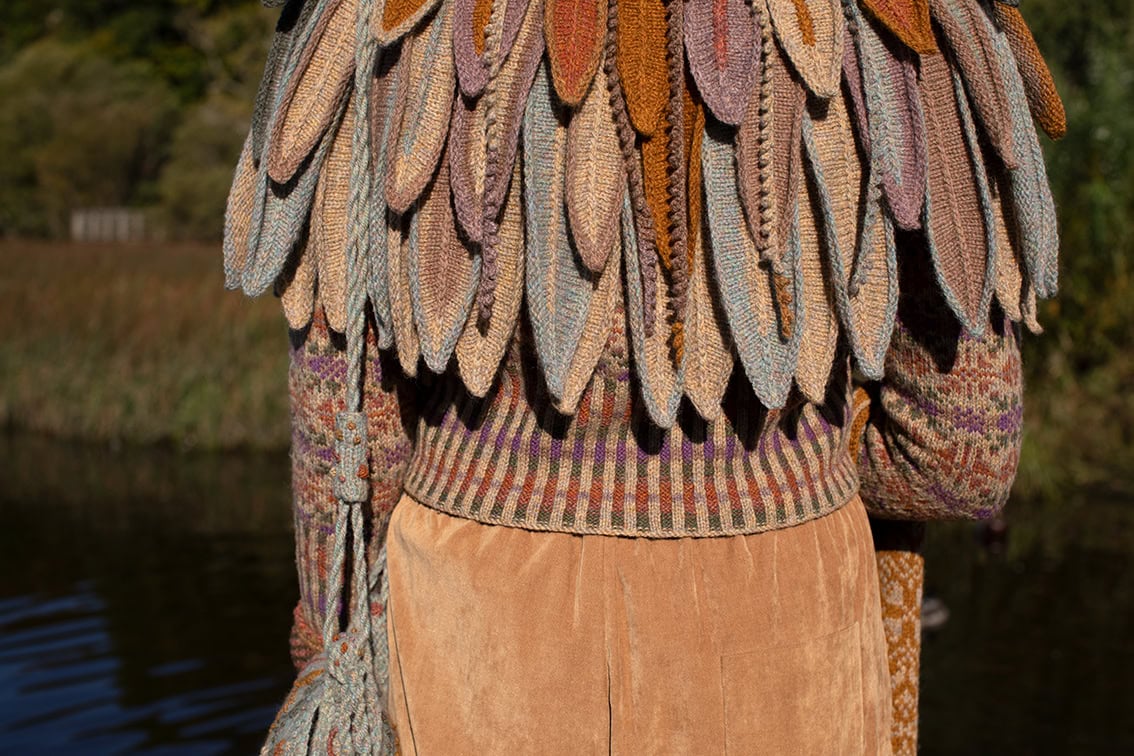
443	271
722	45
558	288
958	204
659	379
595	181
238	216
708	357
768	153
818	325
1033	207
968	36
1009	263
470	17
292	24
314	93
882	81
391	19
908	20
655	175
574	31
298	294
401	306
466	165
1043	99
641	61
279	220
481	349
744	283
327	237
811	34
595	330
424	108
384	94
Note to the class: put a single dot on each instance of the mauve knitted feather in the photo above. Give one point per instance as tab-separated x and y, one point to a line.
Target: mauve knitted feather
961	238
392	19
466	165
964	26
882	81
596	178
722	46
811	34
908	20
315	92
470	22
427	83
574	31
1039	86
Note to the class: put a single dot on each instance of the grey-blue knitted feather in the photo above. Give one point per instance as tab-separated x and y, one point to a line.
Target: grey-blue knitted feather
895	126
744	283
1033	208
660	381
558	287
292	20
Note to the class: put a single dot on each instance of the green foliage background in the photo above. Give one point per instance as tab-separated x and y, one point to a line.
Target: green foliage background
146	104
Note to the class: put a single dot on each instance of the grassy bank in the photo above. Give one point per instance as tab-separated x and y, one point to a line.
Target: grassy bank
138	344
141	344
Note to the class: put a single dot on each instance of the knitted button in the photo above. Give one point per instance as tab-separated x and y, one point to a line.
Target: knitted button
351	482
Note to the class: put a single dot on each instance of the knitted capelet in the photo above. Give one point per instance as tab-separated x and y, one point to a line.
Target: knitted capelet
739	167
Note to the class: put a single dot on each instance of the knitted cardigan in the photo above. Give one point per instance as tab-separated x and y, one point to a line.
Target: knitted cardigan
616	266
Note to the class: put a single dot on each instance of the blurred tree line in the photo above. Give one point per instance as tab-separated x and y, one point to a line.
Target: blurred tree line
116	102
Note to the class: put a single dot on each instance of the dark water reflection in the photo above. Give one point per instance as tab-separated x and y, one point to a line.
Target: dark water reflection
145	600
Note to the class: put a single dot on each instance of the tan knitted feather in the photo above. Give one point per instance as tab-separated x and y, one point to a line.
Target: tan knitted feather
596	331
480	350
595	177
1009	266
820	326
640	56
908	20
443	271
401	309
958	238
238	216
708	354
575	31
427	83
1039	86
327	238
811	34
298	295
465	153
967	37
315	91
390	19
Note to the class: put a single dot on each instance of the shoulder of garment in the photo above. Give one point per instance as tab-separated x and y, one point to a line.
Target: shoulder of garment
741	174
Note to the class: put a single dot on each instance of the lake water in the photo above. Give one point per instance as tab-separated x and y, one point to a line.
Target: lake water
145	600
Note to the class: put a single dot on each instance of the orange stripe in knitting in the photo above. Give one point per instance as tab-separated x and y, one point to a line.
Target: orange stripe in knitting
806	23
574	30
395	12
481	11
908	20
1039	86
640	57
720	33
784	299
655	174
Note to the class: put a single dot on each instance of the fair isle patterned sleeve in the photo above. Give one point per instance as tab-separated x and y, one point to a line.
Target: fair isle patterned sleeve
943	436
316	375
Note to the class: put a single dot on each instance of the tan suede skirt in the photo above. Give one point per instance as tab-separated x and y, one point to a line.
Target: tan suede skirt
508	641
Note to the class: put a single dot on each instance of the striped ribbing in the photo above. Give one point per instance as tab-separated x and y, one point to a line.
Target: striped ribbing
511	459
